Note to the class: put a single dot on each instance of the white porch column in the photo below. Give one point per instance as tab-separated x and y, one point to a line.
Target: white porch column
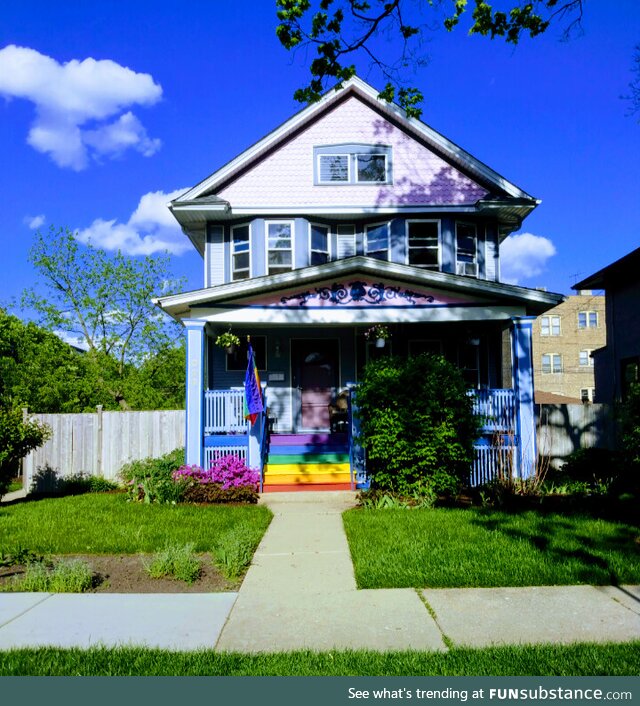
194	413
522	346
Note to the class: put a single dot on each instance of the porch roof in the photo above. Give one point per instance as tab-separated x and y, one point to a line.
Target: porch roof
357	289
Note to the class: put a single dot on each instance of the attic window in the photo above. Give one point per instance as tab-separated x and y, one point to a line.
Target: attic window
352	164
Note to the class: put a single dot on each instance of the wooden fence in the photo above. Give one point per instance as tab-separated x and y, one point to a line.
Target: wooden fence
99	443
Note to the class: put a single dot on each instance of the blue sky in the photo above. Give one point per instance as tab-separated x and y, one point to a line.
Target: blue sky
106	109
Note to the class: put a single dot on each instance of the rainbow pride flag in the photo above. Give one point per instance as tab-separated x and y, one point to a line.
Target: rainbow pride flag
252	391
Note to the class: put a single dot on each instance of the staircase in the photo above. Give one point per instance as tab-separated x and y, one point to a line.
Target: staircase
316	461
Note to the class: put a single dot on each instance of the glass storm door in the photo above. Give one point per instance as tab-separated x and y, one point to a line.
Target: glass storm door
315	375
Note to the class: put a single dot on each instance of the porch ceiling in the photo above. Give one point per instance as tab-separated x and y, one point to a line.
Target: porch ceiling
357	290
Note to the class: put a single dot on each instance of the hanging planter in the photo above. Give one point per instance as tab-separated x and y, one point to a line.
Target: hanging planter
378	333
228	341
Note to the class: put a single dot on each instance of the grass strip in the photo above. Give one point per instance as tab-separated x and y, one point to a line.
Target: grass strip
104	523
536	660
477	547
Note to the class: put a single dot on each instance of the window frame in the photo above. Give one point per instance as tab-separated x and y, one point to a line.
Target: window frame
279	221
550	326
233	253
475	242
352	151
588	313
355	156
589	363
552	364
322	181
387	225
407	227
311	249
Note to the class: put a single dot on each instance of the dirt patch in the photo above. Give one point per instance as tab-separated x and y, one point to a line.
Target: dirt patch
125	573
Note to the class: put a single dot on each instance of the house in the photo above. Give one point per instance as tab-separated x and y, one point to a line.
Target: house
617	364
563	340
348	215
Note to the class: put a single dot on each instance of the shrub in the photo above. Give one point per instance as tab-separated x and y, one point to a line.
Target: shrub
227	471
215	493
590	466
67	576
176	561
233	555
17	438
630	428
417	424
151	479
48	480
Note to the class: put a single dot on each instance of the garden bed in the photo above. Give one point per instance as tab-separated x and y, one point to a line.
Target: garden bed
125	573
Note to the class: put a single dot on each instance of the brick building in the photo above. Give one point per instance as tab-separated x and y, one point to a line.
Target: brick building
563	340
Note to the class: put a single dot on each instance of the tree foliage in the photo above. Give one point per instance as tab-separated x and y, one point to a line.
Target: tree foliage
17	438
133	359
338	31
417	424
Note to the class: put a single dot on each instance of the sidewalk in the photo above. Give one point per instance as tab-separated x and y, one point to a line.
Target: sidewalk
300	593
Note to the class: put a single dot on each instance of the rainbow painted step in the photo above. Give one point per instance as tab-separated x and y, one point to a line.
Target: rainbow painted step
317	460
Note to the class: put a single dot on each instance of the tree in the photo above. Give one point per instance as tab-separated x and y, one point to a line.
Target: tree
340	30
17	438
107	301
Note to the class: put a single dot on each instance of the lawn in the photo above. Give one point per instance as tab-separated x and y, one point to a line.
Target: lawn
105	523
447	548
555	660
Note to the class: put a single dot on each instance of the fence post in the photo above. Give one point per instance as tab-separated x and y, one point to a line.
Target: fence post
23	460
99	470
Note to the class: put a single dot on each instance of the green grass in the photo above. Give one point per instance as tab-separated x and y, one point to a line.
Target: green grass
108	524
175	561
14	485
66	576
445	548
539	660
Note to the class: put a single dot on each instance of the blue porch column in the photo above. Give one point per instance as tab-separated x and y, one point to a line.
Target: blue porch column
194	413
522	344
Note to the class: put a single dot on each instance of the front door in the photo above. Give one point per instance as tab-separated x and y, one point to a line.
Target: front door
315	378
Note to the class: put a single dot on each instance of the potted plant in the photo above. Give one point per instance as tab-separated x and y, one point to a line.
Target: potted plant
378	333
228	341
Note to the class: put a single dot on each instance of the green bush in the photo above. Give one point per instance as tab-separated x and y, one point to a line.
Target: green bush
17	438
175	561
417	425
48	481
591	466
150	480
630	428
67	576
215	493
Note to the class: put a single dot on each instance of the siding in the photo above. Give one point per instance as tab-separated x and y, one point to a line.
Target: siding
214	257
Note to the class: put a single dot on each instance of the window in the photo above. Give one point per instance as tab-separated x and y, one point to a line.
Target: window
549	325
588	394
333	168
378	241
318	244
238	359
279	247
352	164
551	363
423	239
466	240
586	359
240	253
587	319
371	168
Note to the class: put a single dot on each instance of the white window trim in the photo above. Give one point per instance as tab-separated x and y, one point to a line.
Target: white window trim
551	333
587	312
291	225
366	238
355	156
475	240
329	234
232	253
551	361
437	268
333	181
589	363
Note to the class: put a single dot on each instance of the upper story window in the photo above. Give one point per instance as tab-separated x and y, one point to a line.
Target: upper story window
466	249
318	244
423	239
279	246
240	252
551	363
377	244
352	164
587	319
549	325
585	359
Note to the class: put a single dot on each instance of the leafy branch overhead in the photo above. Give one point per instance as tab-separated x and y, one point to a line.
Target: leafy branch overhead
340	31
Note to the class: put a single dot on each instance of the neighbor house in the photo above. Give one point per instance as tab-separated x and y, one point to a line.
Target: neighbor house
349	215
617	364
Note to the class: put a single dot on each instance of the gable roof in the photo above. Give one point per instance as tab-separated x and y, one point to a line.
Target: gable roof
504	199
618	273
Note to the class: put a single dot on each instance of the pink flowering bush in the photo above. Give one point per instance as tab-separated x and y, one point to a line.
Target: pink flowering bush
226	471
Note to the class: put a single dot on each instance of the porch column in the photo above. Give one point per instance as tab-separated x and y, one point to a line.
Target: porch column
522	345
194	413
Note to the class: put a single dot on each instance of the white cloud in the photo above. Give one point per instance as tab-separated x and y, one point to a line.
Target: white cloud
524	256
151	228
79	105
34	222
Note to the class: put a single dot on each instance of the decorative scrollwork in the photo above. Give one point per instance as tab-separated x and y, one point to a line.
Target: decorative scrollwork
358	293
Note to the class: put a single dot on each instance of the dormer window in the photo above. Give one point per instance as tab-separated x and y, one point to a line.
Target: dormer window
352	164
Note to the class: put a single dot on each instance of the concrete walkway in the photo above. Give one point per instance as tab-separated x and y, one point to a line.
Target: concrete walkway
300	593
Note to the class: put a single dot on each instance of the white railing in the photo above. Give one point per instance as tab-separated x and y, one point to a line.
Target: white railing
497	408
224	411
